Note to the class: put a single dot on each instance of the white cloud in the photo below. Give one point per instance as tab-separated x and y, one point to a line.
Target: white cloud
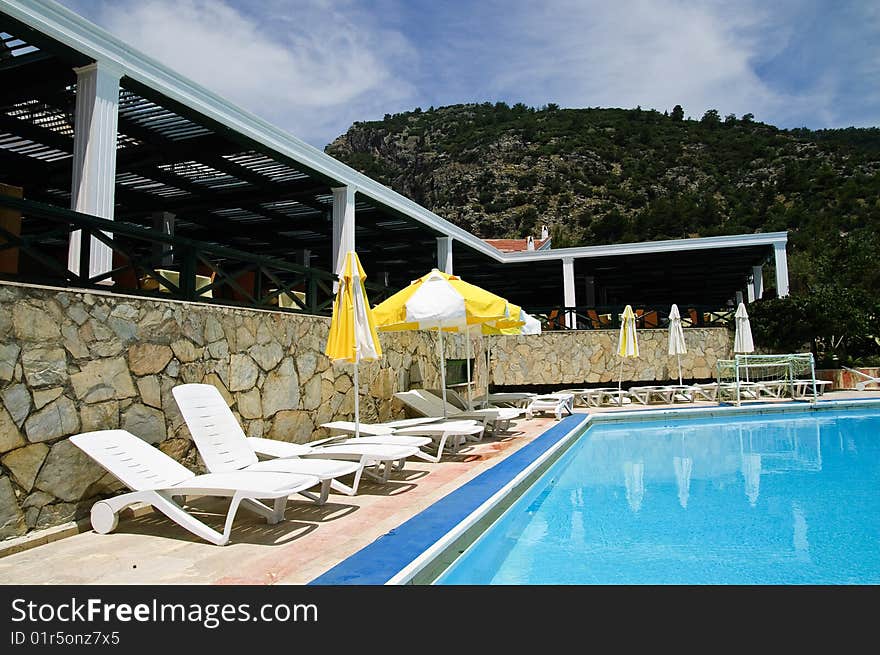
639	52
315	66
306	66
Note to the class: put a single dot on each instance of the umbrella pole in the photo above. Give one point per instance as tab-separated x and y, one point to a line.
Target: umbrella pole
486	401
357	413
467	361
442	369
620	385
678	357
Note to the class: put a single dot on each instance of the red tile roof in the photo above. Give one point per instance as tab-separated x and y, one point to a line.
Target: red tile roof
514	245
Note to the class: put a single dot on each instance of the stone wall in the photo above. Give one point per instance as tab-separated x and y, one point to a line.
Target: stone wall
72	361
590	357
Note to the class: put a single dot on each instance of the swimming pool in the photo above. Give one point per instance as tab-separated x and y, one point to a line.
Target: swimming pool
761	499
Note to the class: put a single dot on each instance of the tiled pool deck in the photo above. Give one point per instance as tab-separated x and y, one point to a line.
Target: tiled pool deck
314	542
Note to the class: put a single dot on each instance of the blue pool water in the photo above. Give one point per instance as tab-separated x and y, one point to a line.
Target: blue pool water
772	499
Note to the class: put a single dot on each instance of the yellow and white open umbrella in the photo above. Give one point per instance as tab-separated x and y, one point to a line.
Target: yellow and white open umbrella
439	301
353	335
628	345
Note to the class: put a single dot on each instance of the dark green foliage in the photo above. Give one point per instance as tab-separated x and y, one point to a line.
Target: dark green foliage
837	323
711	117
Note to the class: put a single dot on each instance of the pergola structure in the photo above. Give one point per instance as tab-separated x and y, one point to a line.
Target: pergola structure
89	124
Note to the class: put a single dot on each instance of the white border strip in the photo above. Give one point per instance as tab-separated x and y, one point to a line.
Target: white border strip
410	570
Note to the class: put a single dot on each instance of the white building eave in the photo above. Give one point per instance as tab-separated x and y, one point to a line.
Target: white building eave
651	247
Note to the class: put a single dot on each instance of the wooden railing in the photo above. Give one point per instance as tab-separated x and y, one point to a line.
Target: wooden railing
148	262
607	317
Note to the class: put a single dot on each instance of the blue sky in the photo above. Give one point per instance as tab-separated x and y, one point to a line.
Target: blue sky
315	66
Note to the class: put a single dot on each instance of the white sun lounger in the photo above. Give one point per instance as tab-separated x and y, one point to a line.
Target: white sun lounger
505	414
866	379
224	446
556	403
519	399
612	396
707	391
425	403
645	394
156	479
804	388
453	397
419	431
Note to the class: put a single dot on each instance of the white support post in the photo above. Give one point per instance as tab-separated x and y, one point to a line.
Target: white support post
93	184
444	254
750	290
739	298
569	296
343	226
758	282
781	260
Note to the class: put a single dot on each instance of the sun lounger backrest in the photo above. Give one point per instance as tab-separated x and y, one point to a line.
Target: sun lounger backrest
437	399
217	433
426	404
140	466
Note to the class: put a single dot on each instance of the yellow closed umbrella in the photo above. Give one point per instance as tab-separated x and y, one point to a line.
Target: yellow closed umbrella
439	301
353	336
628	344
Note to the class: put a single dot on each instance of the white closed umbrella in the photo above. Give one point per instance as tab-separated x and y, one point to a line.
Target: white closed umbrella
677	346
742	339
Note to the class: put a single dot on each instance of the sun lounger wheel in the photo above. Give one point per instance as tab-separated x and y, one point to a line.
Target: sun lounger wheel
104	519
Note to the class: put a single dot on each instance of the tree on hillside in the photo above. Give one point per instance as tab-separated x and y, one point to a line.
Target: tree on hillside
711	117
677	113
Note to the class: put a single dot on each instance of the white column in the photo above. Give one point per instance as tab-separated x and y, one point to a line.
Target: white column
750	290
444	254
568	288
94	157
758	282
739	298
343	225
781	269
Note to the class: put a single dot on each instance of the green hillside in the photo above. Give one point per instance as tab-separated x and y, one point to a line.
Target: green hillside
597	176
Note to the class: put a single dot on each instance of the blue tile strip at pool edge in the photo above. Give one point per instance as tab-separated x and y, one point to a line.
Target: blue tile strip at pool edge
378	562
